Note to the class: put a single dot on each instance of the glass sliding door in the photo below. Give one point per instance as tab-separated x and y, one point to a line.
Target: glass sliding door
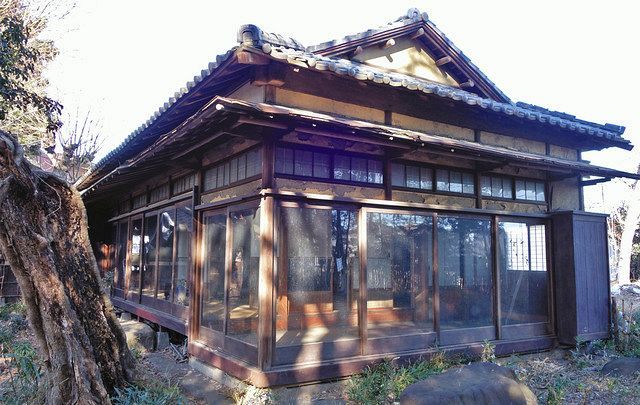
135	246
121	257
243	278
399	277
166	228
184	228
150	241
524	279
213	272
317	291
465	277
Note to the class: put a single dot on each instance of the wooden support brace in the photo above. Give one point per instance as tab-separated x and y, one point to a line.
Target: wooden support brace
388	43
420	32
444	61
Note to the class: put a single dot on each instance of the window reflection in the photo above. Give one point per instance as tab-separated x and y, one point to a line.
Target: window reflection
399	257
215	227
465	272
317	285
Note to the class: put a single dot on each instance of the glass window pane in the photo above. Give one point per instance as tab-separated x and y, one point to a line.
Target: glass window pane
507	192
455	179
523	277
485	185
165	253
540	191
531	190
254	162
284	161
321	165
496	186
243	284
233	170
465	272
399	288
521	193
220	177
242	166
426	178
303	163
375	171
359	169
397	175
468	186
134	255
413	176
214	237
342	168
149	257
317	290
184	227
123	236
226	174
442	180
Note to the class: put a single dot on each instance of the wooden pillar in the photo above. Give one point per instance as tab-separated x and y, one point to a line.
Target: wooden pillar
495	263
580	186
362	304
266	284
268	157
386	179
436	279
195	279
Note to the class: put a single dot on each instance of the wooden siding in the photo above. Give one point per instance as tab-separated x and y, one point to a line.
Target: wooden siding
581	276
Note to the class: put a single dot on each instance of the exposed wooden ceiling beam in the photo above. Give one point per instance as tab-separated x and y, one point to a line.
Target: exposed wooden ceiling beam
420	32
388	43
444	61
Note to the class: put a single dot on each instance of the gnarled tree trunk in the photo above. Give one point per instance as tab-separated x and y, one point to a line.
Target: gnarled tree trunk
43	235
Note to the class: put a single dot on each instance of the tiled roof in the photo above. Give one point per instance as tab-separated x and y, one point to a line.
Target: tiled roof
359	71
293	52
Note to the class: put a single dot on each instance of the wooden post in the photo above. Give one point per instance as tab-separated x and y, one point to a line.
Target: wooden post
580	186
268	157
362	305
496	275
436	279
195	280
266	284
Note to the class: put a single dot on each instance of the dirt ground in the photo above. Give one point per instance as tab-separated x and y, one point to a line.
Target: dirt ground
561	376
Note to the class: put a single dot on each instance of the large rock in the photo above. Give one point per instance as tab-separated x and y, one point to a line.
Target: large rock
477	383
138	332
622	367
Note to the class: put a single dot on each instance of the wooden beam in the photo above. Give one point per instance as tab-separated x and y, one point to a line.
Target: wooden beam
467	85
420	32
205	141
593	182
388	43
357	51
362	287
250	58
194	269
444	61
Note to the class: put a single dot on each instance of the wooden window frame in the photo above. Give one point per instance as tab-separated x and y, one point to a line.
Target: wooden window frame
331	153
226	160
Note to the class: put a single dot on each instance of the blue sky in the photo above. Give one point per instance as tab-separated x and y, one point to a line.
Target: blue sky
124	59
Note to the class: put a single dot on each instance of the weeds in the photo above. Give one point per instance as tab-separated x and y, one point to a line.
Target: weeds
385	382
488	352
254	396
154	394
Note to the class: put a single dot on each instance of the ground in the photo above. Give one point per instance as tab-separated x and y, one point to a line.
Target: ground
561	376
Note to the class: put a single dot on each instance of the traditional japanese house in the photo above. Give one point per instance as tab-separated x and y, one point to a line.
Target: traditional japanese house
299	212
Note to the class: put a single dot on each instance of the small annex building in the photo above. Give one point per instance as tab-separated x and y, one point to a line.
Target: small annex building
299	212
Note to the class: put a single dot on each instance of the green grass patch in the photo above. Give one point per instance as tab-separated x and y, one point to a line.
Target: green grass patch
150	394
384	382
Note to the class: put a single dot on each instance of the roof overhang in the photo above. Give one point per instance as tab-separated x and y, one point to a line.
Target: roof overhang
225	116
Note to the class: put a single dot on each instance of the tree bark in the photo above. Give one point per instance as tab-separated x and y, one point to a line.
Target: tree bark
44	237
629	227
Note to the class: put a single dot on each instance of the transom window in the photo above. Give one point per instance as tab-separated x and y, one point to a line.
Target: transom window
411	176
237	169
496	186
454	181
530	190
323	165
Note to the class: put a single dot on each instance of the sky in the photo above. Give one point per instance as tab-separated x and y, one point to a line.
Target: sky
125	59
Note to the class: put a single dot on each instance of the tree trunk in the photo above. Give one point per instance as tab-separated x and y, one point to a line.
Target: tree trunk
43	235
629	227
